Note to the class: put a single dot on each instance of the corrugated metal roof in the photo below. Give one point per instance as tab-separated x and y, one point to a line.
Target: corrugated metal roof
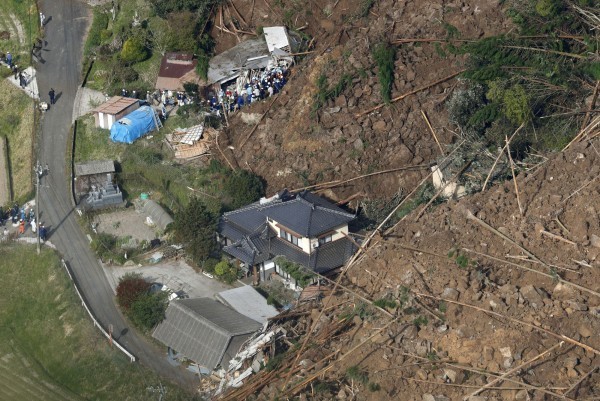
202	329
247	301
158	215
227	65
276	38
94	167
115	105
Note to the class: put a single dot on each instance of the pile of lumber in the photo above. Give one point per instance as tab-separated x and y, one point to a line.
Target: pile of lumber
191	142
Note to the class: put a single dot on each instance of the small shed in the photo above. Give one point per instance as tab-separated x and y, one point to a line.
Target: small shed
134	125
175	70
156	213
114	109
205	331
92	173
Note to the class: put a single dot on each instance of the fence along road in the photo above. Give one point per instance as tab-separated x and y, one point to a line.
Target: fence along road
61	69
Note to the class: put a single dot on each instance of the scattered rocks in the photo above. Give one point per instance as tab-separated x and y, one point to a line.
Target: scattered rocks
562	292
431	397
532	297
595	241
585	330
450	294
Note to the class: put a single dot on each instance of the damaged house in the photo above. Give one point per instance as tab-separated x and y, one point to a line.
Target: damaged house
236	67
303	228
205	331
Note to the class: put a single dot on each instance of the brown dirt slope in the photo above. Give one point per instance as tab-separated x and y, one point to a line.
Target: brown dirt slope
507	299
294	146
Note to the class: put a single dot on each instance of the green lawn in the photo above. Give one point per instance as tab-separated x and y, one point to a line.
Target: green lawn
93	143
49	349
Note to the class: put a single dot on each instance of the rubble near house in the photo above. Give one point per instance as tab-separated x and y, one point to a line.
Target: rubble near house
191	142
251	59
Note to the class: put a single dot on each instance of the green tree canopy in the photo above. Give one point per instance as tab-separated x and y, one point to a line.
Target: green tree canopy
243	188
195	227
148	310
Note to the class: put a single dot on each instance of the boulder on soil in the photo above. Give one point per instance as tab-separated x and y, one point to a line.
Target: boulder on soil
532	296
450	294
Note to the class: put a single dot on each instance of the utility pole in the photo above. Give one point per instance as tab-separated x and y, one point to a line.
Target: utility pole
38	175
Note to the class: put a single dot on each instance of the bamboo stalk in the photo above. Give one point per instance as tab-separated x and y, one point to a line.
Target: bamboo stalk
432	132
557	237
498	158
578	382
592	105
258	122
514	320
422	88
512	169
485	225
492	374
580	188
591	126
443	188
335	183
560	279
572	55
513	370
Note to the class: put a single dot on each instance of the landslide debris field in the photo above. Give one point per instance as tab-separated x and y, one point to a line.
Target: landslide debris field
495	296
476	298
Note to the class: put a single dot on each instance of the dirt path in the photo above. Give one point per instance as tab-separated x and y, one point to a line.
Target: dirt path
4	179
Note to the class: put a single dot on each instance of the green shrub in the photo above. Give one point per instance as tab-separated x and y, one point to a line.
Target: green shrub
385	303
357	374
242	188
302	275
202	66
226	271
373	387
384	55
324	93
548	8
148	310
420	321
134	51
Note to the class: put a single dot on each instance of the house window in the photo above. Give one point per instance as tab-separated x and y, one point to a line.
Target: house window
325	239
289	237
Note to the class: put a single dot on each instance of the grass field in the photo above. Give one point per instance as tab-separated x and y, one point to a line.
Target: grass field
49	349
93	143
21	19
16	123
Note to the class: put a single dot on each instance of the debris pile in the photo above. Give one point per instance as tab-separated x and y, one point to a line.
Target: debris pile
191	143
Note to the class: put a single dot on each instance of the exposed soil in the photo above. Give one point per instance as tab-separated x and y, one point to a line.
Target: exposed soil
420	356
294	146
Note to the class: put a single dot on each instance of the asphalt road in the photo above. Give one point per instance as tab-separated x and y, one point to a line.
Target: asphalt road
61	69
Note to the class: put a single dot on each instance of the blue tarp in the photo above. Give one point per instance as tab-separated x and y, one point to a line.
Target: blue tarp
134	125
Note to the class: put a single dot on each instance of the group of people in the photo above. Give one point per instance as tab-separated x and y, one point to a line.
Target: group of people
259	88
22	218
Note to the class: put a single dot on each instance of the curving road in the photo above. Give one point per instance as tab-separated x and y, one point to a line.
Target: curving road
61	69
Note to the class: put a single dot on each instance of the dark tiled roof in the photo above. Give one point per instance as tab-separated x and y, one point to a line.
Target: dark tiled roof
324	258
251	249
204	330
304	213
